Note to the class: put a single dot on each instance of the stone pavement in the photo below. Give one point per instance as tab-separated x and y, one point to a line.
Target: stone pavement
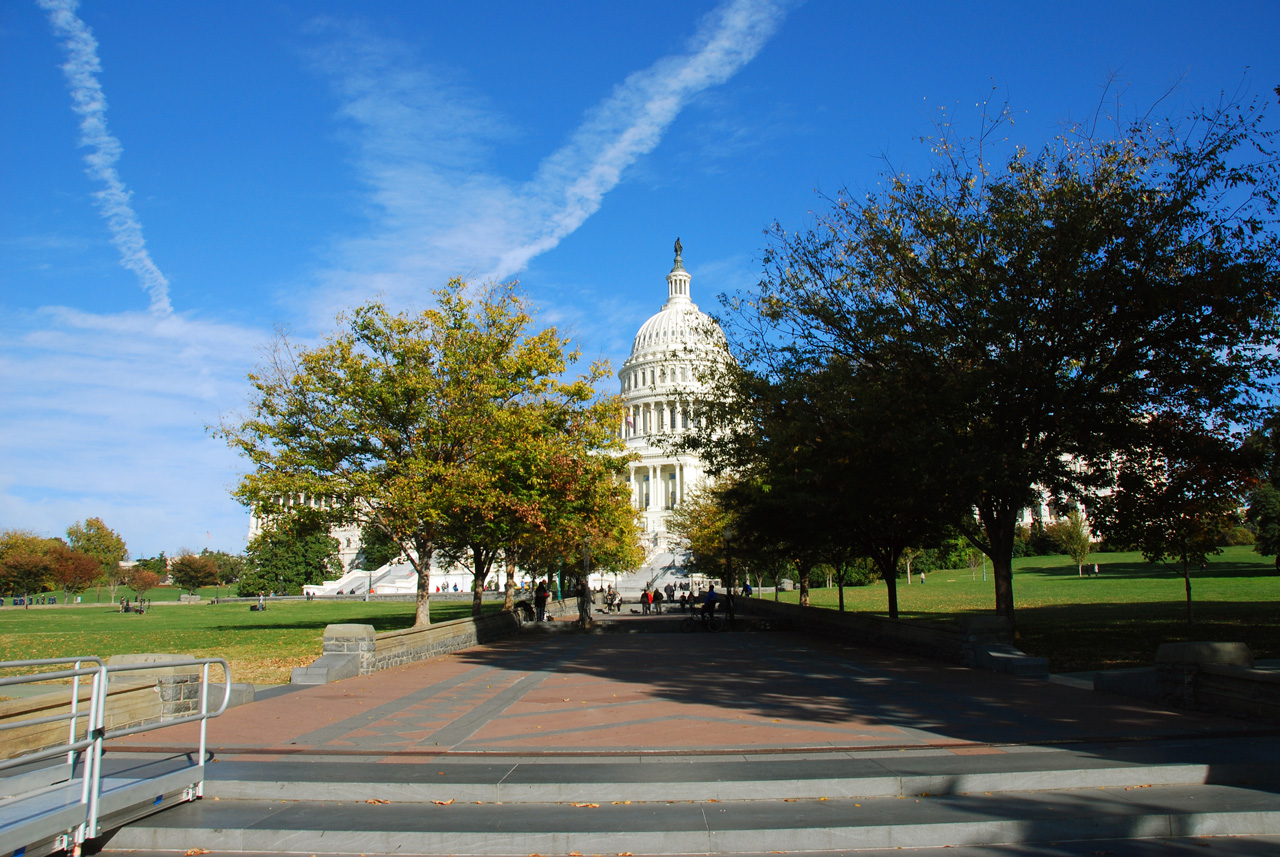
654	694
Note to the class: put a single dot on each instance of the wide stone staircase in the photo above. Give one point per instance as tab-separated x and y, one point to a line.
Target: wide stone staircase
1158	796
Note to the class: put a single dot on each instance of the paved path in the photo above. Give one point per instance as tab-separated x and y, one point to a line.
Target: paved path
656	693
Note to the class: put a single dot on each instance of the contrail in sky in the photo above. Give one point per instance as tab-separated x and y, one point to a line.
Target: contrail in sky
81	70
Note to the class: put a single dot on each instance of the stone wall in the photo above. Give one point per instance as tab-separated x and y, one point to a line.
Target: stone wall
130	702
1217	677
359	650
959	642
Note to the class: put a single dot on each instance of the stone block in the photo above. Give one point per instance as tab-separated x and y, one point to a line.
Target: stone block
328	667
1233	654
1003	658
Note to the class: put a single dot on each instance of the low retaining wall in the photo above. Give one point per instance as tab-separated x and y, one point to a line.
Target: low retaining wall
351	650
965	642
1217	677
130	702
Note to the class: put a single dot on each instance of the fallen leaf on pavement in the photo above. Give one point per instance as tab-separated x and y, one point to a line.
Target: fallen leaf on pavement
443	802
192	852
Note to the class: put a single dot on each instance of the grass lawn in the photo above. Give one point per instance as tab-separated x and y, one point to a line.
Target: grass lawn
262	648
1115	620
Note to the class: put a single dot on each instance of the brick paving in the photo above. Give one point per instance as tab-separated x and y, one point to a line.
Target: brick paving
671	693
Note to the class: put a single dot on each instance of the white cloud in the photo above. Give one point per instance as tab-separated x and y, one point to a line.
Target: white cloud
87	99
435	210
105	415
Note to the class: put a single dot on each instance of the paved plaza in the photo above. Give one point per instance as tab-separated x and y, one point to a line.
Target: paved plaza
657	693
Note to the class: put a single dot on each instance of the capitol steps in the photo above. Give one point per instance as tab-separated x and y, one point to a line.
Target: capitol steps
710	805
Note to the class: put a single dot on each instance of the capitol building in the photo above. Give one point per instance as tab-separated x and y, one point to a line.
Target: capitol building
658	381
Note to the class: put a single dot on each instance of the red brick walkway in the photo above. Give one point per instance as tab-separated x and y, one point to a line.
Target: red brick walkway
673	693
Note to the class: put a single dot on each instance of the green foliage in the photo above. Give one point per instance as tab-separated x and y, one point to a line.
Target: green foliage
26	561
230	566
295	550
192	572
449	429
156	565
1176	497
99	541
1036	314
1072	535
376	549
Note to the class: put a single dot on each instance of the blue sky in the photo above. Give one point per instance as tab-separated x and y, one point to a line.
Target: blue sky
282	160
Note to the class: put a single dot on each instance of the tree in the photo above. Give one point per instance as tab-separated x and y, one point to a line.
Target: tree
140	580
395	420
1264	500
191	572
72	570
376	549
104	544
293	551
698	526
230	566
824	470
1049	306
1072	535
1174	499
26	561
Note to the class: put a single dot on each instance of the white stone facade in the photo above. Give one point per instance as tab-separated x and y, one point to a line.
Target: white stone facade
658	381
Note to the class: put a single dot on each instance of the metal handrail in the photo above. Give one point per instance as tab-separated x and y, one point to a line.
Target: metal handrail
92	744
71	746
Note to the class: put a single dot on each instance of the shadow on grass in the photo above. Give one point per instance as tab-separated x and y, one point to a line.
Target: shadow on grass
1080	637
1154	570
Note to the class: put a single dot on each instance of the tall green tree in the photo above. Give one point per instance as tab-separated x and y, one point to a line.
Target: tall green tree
294	550
1049	305
95	538
397	420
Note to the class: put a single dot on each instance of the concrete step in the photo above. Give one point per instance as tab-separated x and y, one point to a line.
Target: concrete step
543	782
705	826
882	773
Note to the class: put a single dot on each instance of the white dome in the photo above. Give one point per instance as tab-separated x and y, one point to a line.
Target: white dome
678	327
675	328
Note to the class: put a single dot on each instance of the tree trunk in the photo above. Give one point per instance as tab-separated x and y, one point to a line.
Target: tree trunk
840	584
999	522
509	599
1186	577
481	571
804	587
422	565
891	584
584	603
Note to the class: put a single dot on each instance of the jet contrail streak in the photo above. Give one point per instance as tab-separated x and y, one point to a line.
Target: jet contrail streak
81	70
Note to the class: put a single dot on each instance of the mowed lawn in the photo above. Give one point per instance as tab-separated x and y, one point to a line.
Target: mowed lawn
1114	620
261	648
